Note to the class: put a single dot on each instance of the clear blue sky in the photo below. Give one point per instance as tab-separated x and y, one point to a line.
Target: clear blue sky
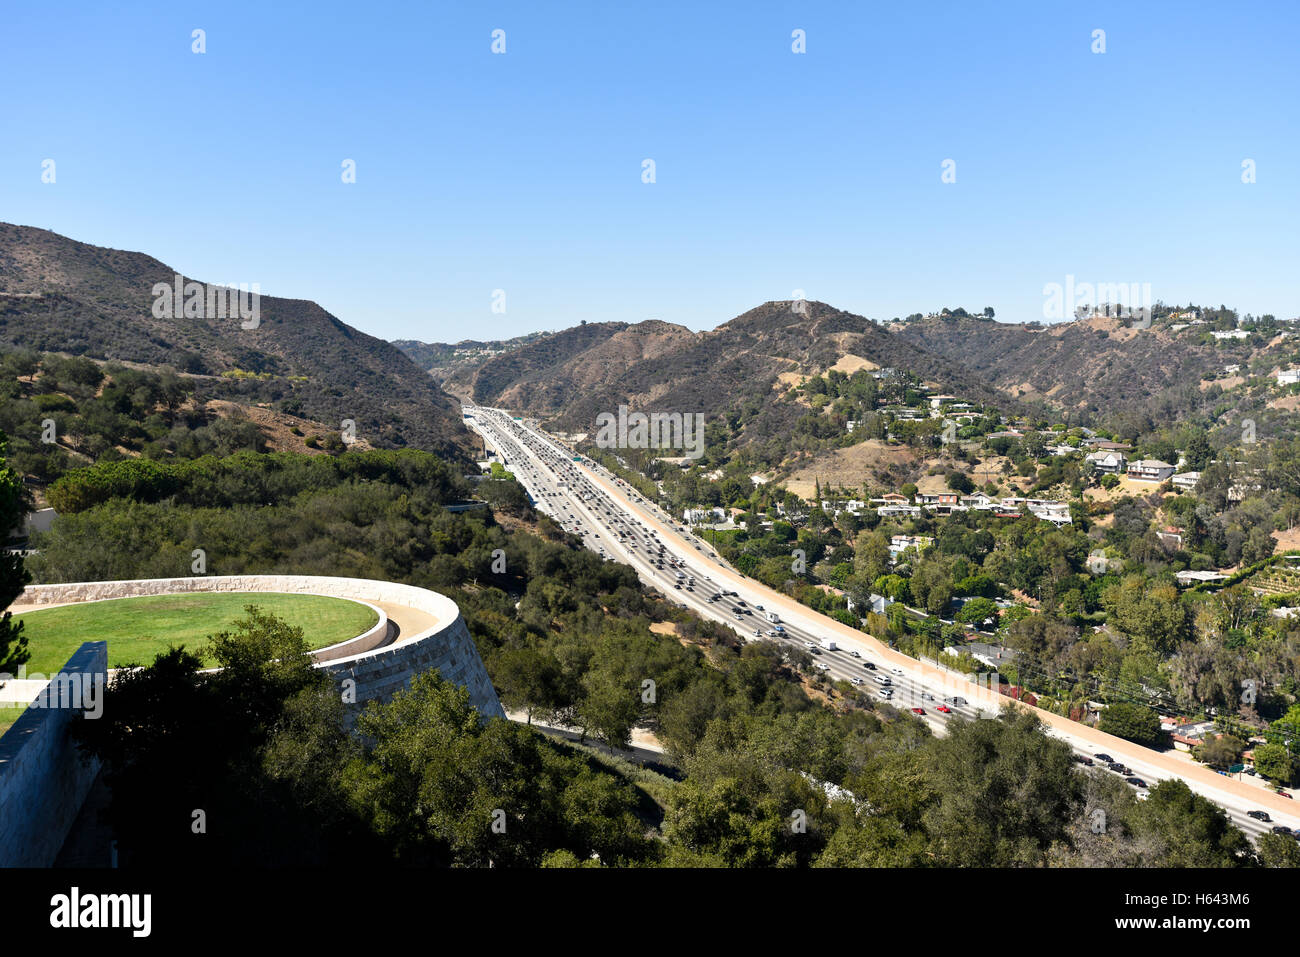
775	171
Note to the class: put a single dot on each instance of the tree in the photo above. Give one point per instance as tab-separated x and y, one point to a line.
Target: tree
1275	763
1004	792
1221	752
1277	850
13	576
960	482
1183	829
978	610
1134	722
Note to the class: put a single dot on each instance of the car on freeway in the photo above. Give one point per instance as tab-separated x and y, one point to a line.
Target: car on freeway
1083	759
758	633
885	693
1105	758
854	654
918	711
926	696
957	701
855	680
1136	782
1259	815
897	671
1282	829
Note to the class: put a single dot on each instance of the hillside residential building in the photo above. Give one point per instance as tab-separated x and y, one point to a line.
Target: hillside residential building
1186	481
1231	334
1111	462
910	511
1195	578
1288	377
1171	537
900	543
1150	470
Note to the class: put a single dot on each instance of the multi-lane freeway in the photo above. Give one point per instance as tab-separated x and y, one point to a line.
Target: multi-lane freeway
618	523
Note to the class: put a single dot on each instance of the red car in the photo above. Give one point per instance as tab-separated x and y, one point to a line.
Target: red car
918	711
943	708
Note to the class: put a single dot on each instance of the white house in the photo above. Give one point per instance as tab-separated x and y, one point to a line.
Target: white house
1186	480
1231	334
1112	462
1150	470
1189	577
1288	377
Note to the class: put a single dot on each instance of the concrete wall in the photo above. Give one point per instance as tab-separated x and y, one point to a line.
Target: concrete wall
377	671
43	778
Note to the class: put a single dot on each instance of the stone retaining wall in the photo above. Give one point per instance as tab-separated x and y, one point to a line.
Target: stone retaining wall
377	671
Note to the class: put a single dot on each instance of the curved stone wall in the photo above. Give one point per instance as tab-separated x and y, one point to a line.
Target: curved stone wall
376	668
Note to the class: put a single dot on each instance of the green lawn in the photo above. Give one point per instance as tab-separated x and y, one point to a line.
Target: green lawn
8	716
137	629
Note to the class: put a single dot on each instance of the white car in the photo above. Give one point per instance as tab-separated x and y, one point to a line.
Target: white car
897	671
855	680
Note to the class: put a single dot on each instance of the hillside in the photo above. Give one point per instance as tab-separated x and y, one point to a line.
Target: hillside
1088	367
452	365
60	295
744	367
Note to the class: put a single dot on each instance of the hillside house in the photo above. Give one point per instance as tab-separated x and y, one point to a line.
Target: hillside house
1105	461
1185	578
1171	537
1186	481
1150	470
900	543
1288	377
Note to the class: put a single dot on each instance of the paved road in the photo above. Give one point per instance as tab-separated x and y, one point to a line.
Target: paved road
615	521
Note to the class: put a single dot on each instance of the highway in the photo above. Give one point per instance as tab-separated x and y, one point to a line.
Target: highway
618	523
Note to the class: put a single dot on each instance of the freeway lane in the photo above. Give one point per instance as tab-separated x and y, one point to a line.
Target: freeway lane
614	520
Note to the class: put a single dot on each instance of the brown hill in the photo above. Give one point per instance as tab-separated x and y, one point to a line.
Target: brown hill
741	368
1089	367
60	295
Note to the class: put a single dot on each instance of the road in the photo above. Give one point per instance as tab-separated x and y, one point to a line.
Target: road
618	523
